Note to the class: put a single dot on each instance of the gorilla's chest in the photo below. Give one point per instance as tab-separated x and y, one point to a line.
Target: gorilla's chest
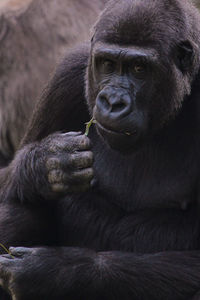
149	179
140	203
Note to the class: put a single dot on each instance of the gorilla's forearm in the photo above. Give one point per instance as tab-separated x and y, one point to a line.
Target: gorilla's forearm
165	275
84	274
18	181
119	275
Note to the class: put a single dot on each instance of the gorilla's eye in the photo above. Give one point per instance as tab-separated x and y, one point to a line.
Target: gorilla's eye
108	66
138	69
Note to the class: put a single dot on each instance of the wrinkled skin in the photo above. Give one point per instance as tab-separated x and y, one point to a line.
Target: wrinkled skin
68	161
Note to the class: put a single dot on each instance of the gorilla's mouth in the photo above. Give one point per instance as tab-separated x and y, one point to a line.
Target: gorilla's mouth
122	141
117	133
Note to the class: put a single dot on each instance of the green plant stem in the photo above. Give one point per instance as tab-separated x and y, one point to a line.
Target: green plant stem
88	125
2	246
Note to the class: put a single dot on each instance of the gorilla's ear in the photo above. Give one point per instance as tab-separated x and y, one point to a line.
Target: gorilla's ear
184	56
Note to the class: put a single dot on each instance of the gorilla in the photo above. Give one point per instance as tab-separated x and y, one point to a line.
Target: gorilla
115	214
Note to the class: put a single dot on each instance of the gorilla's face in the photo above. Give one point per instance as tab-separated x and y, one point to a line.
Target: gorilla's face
123	77
135	94
136	83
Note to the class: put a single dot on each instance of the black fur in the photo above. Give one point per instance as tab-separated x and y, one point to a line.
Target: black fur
125	225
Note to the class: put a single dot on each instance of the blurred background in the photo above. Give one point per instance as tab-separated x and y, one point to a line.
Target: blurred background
34	35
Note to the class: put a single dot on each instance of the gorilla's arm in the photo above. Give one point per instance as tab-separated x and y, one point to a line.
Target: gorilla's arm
75	273
78	273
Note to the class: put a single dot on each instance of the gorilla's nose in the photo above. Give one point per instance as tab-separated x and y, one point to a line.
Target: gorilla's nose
113	103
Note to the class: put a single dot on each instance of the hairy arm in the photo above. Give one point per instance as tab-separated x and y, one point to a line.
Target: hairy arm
80	273
75	273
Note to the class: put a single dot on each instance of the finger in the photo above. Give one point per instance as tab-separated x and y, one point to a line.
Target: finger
71	133
78	143
63	141
83	160
83	175
5	266
57	176
78	160
6	256
70	143
60	188
4	259
20	251
53	163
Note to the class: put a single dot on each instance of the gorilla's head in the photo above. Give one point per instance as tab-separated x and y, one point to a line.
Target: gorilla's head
144	58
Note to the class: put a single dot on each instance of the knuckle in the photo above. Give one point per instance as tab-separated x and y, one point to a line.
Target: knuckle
53	147
53	163
84	142
74	143
85	175
58	143
56	176
82	159
73	158
90	172
89	156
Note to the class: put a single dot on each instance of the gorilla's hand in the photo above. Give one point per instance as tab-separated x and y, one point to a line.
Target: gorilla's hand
68	162
29	271
57	165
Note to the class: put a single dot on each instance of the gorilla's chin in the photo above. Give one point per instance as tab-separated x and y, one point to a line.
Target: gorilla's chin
121	142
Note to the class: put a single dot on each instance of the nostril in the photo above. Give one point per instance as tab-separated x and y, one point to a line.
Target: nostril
116	103
117	107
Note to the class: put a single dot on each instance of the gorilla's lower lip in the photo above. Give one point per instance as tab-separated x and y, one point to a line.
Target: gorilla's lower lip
119	133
